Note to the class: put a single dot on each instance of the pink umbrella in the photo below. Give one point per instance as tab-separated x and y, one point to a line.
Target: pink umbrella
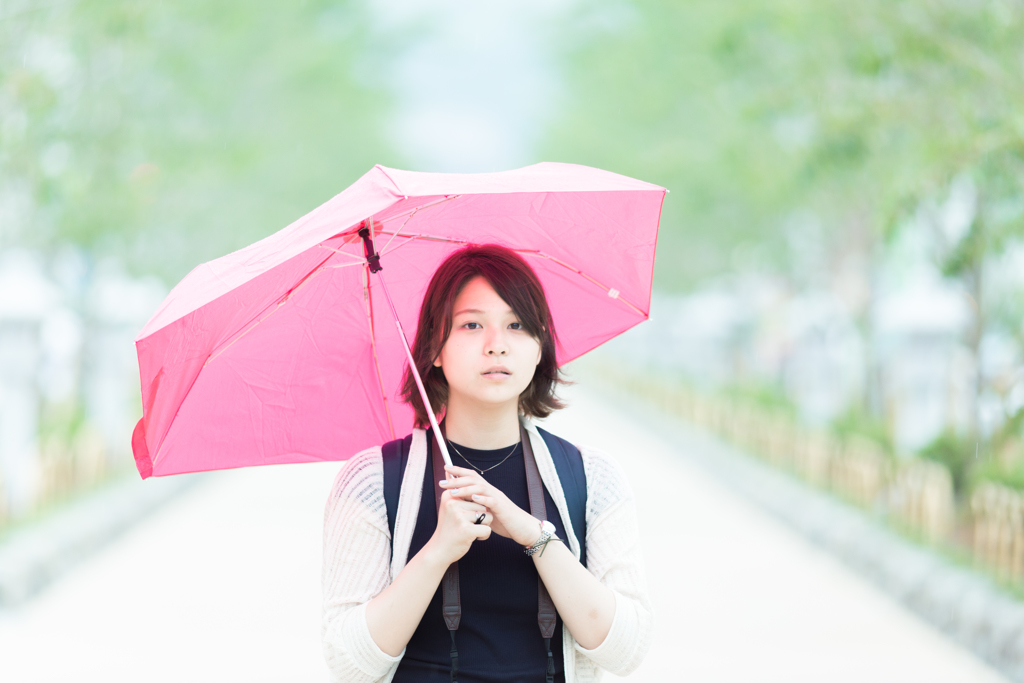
284	351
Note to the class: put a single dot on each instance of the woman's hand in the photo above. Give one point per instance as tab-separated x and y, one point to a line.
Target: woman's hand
457	528
509	520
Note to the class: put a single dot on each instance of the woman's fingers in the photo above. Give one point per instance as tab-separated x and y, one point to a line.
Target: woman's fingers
459	478
465	492
461	482
475	516
460	471
464	507
460	523
483	518
467	486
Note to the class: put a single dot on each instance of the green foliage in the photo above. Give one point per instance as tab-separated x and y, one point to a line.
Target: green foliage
1003	462
61	421
855	422
750	112
172	133
957	454
766	396
1012	430
998	473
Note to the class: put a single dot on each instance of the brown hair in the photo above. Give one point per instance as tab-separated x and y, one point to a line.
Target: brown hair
518	286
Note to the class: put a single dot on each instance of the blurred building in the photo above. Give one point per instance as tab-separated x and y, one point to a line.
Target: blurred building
815	348
68	375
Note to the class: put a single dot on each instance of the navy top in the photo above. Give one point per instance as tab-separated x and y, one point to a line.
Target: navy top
498	639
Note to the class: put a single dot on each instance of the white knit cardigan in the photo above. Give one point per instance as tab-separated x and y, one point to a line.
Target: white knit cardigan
360	561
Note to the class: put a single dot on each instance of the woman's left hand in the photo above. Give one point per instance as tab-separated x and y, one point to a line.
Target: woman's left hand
510	520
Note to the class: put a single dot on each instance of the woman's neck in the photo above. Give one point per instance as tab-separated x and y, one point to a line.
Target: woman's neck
483	427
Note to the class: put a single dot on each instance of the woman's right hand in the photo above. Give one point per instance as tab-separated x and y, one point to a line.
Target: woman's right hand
457	529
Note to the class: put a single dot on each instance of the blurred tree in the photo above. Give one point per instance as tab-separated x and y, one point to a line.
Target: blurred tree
964	97
670	93
171	133
764	119
909	98
752	112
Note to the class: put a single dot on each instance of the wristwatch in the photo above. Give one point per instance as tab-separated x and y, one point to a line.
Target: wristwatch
547	534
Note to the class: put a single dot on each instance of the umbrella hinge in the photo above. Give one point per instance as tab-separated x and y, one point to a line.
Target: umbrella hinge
372	257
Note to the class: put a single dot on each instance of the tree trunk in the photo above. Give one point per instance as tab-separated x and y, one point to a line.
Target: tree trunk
976	283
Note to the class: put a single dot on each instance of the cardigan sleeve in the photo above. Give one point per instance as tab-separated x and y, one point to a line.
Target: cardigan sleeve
614	557
356	562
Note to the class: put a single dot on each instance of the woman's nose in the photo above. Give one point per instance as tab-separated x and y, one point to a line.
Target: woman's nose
496	345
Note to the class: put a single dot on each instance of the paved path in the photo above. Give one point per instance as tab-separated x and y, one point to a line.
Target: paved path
223	585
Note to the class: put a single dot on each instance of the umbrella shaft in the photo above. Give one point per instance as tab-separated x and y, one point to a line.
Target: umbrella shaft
416	375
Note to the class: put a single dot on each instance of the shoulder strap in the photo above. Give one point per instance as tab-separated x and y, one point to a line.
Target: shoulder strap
573	476
394	454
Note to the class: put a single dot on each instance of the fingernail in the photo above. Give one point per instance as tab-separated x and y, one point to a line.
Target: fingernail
476	497
455	492
443	482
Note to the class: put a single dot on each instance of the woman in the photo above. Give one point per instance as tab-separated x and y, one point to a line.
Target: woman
485	348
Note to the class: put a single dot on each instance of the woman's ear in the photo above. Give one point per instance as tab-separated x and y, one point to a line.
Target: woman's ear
437	359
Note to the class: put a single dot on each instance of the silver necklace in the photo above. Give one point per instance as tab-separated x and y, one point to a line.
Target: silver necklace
514	446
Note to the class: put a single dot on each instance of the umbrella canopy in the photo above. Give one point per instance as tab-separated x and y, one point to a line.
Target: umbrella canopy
286	351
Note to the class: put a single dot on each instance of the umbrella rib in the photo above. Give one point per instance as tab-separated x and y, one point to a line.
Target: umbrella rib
613	293
398	232
421	236
373	345
418	236
359	259
288	295
344	265
212	356
446	198
408	217
281	302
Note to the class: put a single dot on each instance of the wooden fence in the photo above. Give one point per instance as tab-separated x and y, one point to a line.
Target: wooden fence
917	494
922	499
65	469
998	513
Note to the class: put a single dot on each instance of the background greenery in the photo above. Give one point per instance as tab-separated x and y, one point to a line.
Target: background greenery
169	133
753	111
856	118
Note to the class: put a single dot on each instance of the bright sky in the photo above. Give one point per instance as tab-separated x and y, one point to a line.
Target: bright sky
470	99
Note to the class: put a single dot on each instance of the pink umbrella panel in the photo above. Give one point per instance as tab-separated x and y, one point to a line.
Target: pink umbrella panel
286	351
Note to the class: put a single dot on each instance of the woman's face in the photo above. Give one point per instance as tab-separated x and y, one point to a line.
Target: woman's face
488	357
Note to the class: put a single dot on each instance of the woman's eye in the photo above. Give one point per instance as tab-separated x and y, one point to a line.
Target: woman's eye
470	326
516	326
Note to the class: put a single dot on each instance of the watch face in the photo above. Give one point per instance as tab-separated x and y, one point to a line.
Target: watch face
547	526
